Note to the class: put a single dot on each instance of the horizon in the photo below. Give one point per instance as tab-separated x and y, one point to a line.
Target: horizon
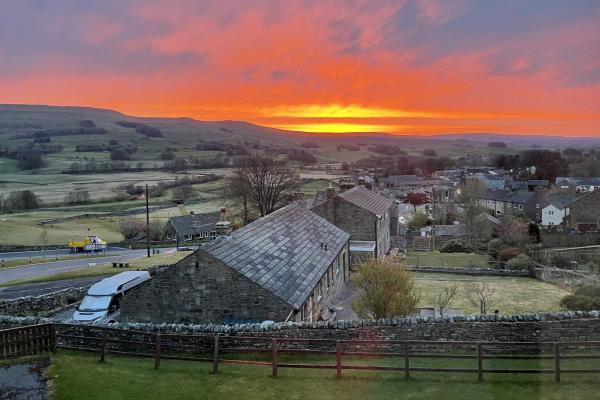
421	68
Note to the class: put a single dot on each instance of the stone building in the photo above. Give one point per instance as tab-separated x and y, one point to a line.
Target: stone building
191	227
364	214
584	213
286	266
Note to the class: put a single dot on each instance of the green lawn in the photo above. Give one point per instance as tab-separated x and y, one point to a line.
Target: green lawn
449	260
76	375
512	294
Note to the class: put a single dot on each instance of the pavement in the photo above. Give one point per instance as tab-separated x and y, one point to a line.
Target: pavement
51	268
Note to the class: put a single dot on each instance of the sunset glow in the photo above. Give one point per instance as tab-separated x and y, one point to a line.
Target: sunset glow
423	67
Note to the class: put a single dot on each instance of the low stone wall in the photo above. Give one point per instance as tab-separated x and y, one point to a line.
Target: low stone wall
37	305
469	271
550	327
570	280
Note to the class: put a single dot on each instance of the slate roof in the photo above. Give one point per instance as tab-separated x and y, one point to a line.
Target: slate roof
367	199
519	196
194	224
282	252
495	194
560	200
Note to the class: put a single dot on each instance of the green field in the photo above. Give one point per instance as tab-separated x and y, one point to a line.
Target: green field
76	375
513	295
448	260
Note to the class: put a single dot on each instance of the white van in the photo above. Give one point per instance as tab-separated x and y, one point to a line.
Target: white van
102	302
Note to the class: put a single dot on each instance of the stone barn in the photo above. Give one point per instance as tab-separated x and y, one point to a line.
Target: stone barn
287	266
364	214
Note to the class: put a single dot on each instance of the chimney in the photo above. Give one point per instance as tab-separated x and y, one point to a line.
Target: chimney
330	192
223	227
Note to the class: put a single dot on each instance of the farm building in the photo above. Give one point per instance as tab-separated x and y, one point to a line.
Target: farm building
288	265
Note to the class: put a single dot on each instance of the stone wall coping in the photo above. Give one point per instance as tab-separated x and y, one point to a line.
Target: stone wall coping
340	324
469	271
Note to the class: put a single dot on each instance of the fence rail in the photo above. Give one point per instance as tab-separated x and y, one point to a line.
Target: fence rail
214	348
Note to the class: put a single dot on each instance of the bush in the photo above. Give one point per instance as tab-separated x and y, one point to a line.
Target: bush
21	200
522	262
129	228
509	253
418	220
494	246
580	303
456	246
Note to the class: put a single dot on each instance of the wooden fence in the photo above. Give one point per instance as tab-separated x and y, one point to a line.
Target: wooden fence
214	349
27	340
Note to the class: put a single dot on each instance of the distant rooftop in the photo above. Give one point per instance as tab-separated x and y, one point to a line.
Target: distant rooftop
368	200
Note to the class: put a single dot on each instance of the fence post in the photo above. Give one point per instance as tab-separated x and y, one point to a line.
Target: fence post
103	348
274	356
338	358
157	351
479	363
406	361
215	355
53	338
557	362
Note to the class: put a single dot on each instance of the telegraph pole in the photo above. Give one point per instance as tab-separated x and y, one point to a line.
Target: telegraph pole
433	226
147	223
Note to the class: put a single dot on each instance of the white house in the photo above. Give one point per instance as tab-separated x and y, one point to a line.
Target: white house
557	208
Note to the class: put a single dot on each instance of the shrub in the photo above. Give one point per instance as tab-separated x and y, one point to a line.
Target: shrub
418	220
580	303
456	246
385	291
508	253
130	227
521	262
494	246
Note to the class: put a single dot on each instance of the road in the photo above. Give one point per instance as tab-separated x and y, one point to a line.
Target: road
53	253
37	289
56	267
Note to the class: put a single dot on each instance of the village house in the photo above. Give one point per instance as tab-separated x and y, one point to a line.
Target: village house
501	202
287	266
192	227
579	184
584	213
556	208
364	214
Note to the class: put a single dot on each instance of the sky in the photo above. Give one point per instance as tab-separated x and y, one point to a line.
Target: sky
404	67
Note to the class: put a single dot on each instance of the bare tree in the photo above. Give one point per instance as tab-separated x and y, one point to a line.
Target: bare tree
479	294
475	226
266	180
445	297
238	187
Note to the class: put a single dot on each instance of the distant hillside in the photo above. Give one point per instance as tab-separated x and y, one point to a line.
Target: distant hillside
16	119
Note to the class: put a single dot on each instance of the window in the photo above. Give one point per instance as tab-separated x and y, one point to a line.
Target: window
550	212
520	206
337	266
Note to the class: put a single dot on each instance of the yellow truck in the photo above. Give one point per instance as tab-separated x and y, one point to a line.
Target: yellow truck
90	243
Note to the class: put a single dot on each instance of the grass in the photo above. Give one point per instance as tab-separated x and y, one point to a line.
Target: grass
24	228
107	269
513	295
41	260
77	375
449	260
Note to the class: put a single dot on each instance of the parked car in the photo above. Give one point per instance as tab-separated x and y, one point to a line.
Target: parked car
103	299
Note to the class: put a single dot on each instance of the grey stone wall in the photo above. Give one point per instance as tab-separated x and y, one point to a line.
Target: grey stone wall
469	271
358	222
200	288
566	279
36	305
550	327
